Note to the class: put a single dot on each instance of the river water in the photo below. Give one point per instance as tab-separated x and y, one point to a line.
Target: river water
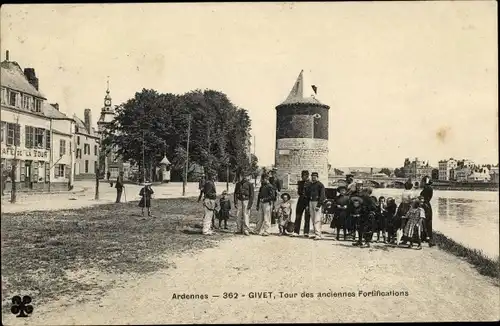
468	217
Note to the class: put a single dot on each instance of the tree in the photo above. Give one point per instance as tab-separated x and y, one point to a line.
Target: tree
218	138
386	171
399	173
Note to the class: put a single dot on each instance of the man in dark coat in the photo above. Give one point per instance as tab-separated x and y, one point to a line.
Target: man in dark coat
302	205
315	194
427	194
243	201
264	204
119	186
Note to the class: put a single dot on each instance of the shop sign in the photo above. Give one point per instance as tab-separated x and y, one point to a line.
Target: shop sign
22	153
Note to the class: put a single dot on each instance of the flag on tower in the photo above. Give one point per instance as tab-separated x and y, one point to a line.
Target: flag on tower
315	89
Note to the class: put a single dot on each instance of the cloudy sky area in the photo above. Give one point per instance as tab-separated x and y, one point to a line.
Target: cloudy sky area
396	75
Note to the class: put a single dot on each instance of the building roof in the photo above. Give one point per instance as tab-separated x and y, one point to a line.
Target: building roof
12	76
82	128
296	95
51	112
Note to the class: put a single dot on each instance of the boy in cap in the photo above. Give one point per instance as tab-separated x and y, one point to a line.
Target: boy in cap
302	205
243	201
316	197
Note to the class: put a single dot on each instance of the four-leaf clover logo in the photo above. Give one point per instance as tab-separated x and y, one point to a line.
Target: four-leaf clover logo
21	308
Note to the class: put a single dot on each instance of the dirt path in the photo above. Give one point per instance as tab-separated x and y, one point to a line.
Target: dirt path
440	287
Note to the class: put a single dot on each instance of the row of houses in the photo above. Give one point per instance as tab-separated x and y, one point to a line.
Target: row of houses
466	171
48	149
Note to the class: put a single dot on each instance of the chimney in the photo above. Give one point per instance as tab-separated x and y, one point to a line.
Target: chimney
7	55
31	76
56	105
88	119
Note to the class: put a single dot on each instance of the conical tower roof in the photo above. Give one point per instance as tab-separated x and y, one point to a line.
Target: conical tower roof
165	160
301	92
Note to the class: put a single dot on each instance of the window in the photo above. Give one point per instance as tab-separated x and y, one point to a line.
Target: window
86	149
47	139
70	148
59	170
78	140
95	166
26	101
13	134
4	95
38	105
4	128
39	137
95	150
78	153
62	147
86	166
29	136
12	98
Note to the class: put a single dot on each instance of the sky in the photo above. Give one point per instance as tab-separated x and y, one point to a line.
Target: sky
403	79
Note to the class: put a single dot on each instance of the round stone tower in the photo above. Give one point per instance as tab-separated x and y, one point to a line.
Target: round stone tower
301	135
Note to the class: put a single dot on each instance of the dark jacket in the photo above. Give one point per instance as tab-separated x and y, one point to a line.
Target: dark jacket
244	191
209	190
427	193
267	194
119	182
225	205
146	193
275	182
316	192
301	189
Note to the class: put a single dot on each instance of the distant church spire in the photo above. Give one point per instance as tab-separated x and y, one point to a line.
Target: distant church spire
107	99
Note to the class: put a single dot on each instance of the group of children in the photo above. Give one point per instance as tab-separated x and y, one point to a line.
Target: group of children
368	216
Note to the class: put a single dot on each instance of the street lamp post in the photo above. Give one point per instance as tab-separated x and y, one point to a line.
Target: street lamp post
187	156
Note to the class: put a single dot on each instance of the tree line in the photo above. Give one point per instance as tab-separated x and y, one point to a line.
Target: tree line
219	132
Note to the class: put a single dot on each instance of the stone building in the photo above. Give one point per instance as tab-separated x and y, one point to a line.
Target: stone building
87	145
109	160
447	169
36	137
416	169
301	135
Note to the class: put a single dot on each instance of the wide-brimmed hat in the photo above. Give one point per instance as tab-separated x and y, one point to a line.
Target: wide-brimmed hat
285	194
147	183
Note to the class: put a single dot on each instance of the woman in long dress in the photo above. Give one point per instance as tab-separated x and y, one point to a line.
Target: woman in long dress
426	195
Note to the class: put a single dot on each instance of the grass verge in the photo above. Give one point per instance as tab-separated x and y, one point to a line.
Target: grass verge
48	255
484	264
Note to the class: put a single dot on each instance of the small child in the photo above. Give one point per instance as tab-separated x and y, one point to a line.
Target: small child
342	212
146	194
381	221
413	228
284	213
224	209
